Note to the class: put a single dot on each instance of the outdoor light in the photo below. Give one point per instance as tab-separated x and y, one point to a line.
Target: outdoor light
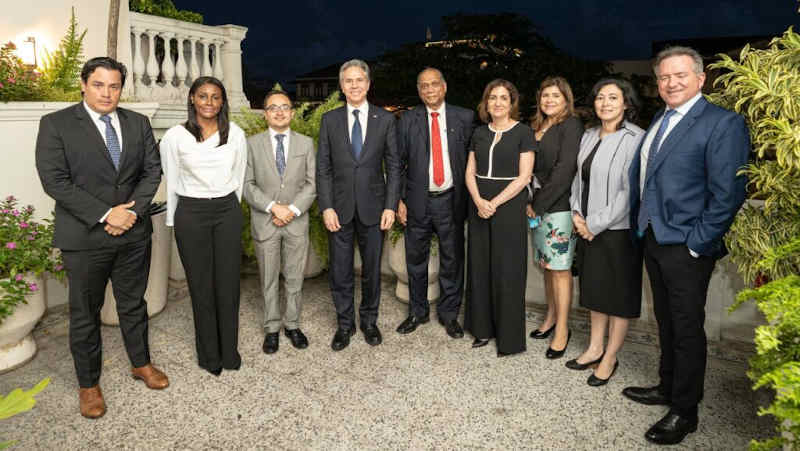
27	52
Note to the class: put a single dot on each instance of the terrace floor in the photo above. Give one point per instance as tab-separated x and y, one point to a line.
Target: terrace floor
417	391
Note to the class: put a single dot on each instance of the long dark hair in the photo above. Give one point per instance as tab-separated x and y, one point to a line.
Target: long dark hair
629	96
223	121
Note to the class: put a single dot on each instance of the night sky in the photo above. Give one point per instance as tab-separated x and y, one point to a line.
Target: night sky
288	38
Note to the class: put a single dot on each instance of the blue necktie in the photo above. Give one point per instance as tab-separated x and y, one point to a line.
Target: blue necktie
112	142
355	139
280	156
644	218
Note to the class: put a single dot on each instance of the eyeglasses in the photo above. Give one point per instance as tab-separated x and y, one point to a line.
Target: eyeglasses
276	108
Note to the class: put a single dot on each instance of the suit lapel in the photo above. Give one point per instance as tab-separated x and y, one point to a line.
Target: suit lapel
127	137
450	122
372	121
675	136
342	119
269	153
92	131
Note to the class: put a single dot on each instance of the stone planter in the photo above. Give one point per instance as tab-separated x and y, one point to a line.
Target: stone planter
158	281
397	262
17	346
313	266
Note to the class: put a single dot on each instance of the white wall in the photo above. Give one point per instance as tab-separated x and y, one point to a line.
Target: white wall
47	21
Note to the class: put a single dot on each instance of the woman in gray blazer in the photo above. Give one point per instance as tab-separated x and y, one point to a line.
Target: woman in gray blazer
610	266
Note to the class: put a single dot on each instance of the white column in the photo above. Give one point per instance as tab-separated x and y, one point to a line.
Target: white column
232	65
167	65
218	70
152	64
194	67
205	51
181	69
138	60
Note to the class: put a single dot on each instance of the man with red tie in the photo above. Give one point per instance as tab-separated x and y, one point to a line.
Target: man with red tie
433	144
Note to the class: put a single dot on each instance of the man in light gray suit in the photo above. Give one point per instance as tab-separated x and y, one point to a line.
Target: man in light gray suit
279	186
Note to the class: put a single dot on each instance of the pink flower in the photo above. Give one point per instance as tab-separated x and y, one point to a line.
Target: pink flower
23	225
31	237
1	86
11	80
11	245
18	277
6	211
58	267
34	233
10	199
33	286
15	212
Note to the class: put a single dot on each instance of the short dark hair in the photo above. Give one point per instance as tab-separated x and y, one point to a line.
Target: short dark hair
483	109
629	96
276	92
105	62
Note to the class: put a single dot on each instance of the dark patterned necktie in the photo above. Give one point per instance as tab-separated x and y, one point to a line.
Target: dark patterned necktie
112	141
280	156
356	139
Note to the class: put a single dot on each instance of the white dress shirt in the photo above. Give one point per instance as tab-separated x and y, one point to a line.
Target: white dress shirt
202	169
101	127
448	172
274	141
363	117
680	112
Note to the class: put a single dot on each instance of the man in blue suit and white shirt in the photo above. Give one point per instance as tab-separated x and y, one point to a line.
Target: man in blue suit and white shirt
685	192
357	197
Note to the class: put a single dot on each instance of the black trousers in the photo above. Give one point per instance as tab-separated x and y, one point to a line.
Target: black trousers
498	253
680	284
438	219
370	246
208	233
88	271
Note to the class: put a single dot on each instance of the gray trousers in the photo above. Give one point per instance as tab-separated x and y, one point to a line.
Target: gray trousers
283	253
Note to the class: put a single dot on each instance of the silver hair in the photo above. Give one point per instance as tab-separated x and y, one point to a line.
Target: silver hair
354	63
679	51
433	69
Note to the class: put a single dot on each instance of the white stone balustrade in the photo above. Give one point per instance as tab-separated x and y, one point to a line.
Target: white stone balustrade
189	51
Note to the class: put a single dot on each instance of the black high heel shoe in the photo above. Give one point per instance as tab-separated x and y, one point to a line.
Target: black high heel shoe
539	335
553	354
574	365
480	342
595	381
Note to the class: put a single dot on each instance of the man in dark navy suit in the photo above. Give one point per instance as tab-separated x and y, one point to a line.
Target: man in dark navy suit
685	192
101	165
433	140
357	198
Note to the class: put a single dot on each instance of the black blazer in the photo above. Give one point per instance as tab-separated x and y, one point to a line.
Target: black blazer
556	165
76	170
347	185
414	146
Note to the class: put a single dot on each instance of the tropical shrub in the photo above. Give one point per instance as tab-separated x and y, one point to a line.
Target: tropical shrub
763	86
164	8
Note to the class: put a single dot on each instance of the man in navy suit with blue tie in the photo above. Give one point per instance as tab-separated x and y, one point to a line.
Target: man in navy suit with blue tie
358	186
685	192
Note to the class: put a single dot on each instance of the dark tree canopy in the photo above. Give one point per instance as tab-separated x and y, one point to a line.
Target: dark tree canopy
475	50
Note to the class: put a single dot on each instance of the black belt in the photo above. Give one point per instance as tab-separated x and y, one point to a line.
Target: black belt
440	193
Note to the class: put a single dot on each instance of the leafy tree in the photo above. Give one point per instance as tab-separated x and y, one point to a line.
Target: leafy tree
164	8
475	50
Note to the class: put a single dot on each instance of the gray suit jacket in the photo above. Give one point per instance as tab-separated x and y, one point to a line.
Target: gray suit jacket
609	187
263	184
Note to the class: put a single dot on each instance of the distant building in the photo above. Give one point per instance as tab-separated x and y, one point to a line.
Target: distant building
317	85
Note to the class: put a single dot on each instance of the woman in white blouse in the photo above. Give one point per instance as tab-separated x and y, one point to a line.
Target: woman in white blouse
204	161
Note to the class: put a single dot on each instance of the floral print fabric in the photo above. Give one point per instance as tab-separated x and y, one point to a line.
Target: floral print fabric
554	241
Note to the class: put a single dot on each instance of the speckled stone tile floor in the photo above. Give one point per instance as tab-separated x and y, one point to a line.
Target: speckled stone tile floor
417	391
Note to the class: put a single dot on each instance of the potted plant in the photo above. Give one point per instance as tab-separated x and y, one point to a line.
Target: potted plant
397	262
25	255
306	121
764	240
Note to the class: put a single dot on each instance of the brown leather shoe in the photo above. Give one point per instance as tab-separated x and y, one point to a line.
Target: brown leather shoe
152	376
92	404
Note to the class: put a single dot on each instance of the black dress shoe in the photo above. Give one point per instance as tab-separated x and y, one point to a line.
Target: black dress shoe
270	345
671	429
646	395
539	335
215	371
575	365
553	354
297	338
595	381
411	323
454	329
480	342
342	338
372	335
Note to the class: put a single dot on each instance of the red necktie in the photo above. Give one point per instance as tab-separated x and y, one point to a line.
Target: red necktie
436	142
